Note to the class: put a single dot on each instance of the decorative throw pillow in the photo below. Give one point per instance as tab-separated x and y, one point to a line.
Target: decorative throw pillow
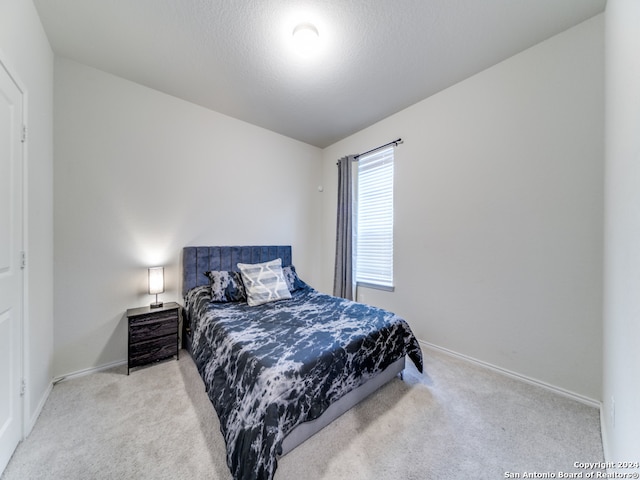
226	286
291	277
264	282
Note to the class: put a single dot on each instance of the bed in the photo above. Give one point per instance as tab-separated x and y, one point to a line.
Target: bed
278	372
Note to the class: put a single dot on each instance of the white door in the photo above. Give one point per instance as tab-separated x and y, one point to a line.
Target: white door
11	274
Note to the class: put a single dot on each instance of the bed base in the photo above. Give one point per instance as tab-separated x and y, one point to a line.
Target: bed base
307	429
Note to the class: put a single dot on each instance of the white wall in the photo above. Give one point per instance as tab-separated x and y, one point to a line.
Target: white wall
622	234
139	175
498	214
25	49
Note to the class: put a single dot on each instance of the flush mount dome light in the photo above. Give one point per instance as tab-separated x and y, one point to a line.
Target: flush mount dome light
306	37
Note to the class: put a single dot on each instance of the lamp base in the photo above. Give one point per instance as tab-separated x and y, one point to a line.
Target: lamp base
156	304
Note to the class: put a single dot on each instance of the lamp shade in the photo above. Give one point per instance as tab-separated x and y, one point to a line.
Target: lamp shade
156	280
306	38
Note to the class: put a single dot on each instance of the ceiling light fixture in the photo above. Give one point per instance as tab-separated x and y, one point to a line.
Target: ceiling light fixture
306	37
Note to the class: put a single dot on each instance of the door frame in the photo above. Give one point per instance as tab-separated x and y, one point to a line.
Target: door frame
25	394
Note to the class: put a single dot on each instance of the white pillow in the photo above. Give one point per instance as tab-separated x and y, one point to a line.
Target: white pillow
264	282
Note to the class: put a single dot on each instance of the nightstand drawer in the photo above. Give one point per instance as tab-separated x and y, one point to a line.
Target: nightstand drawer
168	315
139	332
152	350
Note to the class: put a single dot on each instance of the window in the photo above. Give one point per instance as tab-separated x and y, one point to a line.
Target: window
374	223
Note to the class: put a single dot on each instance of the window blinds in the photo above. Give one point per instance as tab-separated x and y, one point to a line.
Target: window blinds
374	226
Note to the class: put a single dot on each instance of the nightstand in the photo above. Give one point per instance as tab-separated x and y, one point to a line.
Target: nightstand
153	334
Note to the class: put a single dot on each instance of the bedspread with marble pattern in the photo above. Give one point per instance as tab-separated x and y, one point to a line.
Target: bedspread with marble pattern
269	368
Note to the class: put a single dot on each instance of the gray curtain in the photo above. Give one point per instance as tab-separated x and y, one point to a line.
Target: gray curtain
343	273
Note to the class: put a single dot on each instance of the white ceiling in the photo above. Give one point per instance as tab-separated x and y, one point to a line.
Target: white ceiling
234	56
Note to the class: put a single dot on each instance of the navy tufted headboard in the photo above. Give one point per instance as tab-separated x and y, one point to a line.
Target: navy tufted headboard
197	260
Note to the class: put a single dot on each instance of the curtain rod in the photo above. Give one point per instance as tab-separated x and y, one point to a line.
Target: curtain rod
394	143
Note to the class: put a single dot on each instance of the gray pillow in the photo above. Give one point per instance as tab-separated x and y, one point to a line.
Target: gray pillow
264	282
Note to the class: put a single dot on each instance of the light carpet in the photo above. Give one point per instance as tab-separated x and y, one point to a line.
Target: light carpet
456	421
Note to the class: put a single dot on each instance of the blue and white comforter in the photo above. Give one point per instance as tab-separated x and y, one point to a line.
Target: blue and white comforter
269	368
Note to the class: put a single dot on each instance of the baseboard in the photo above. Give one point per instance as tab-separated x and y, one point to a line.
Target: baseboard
560	391
31	422
604	437
88	371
